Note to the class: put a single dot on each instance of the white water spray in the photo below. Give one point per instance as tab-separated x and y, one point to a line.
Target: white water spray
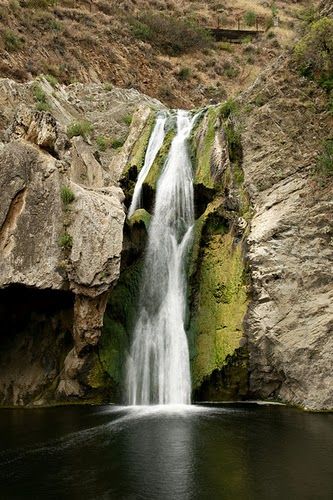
154	145
158	370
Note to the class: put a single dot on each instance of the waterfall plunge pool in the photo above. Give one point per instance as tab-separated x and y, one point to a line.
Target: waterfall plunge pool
228	451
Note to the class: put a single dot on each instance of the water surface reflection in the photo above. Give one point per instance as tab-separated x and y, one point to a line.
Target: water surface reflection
225	452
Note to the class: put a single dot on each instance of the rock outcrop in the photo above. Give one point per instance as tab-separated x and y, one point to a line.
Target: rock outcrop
289	324
66	246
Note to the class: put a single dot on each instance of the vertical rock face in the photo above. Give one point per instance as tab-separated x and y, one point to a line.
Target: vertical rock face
290	320
59	256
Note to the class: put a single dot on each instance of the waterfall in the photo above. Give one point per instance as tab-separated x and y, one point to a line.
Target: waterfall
158	368
154	145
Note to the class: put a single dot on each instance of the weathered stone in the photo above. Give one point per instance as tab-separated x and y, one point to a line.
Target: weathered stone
289	324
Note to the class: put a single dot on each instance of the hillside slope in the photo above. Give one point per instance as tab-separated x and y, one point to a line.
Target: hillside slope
156	47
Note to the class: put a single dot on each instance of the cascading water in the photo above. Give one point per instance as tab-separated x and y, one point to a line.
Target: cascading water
154	145
158	370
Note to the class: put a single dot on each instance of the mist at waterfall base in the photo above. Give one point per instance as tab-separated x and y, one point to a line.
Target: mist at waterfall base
158	368
158	452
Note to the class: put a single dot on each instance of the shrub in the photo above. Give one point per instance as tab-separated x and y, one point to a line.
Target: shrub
102	142
66	241
314	53
43	106
117	143
82	128
127	120
228	108
12	42
250	18
231	71
54	25
226	46
169	33
39	93
67	195
40	98
184	74
108	87
325	160
52	80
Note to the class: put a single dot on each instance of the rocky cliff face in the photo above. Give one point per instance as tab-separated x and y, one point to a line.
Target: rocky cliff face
61	221
289	322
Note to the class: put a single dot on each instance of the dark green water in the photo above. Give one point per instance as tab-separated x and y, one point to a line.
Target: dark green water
227	452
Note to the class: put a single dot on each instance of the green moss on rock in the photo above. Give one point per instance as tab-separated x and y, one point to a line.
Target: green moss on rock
119	321
220	306
140	216
138	152
157	167
202	144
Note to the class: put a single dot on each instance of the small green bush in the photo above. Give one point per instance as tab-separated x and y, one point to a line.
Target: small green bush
102	142
54	25
127	120
250	18
41	98
81	128
108	87
67	195
184	74
228	108
39	93
117	143
226	46
12	42
325	160
43	106
66	241
231	72
52	80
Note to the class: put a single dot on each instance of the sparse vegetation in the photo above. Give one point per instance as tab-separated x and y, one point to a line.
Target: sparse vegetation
117	143
102	142
314	53
228	108
250	18
67	195
325	160
184	74
41	98
66	241
52	80
127	120
230	71
82	128
11	41
39	4
171	34
226	46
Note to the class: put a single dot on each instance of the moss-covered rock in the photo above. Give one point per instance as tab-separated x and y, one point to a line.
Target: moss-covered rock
119	322
219	304
218	292
140	216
